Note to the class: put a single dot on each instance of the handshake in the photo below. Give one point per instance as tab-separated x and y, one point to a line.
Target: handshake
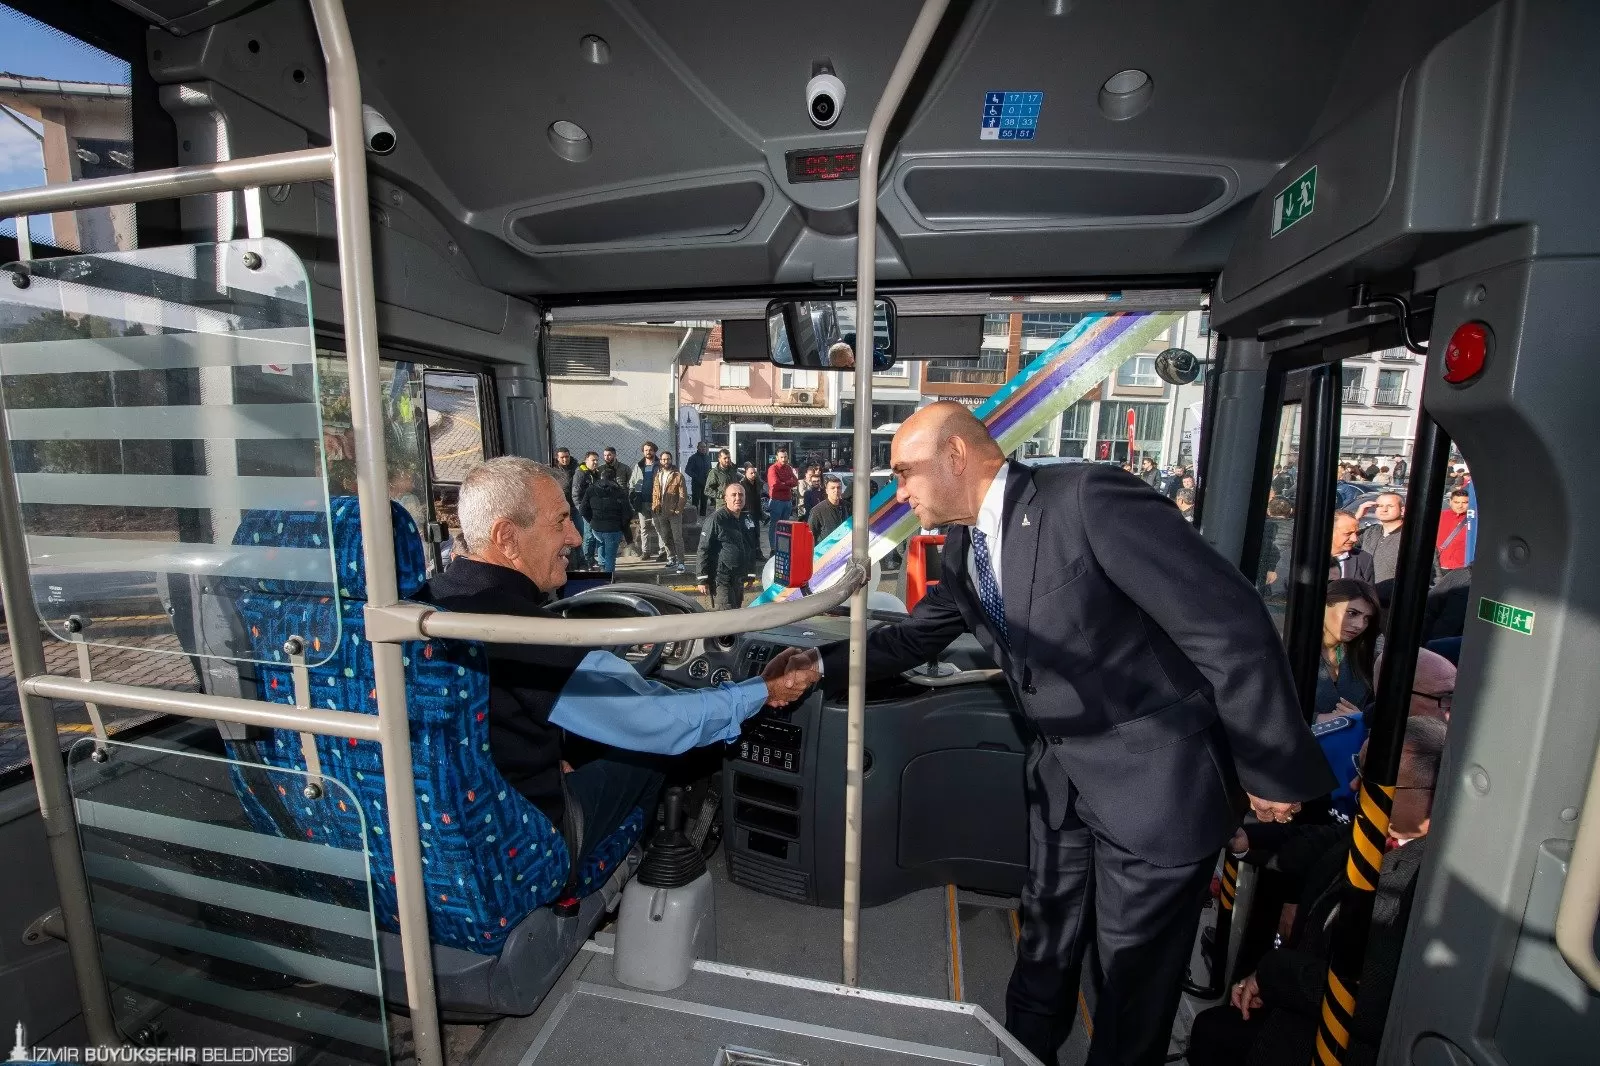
790	673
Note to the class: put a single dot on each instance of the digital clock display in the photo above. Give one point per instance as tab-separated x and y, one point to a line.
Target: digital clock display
824	164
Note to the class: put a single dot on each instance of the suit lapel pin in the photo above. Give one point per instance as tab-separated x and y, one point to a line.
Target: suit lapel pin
1025	518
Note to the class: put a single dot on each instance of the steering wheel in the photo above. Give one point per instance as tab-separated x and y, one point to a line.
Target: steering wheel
609	602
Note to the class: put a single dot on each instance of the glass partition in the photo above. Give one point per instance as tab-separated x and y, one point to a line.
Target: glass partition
230	891
162	413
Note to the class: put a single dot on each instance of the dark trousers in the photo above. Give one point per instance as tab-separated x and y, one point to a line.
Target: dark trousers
607	789
727	594
1142	919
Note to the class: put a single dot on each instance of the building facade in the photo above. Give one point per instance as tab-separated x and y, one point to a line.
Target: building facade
721	393
612	386
82	130
1165	417
1382	392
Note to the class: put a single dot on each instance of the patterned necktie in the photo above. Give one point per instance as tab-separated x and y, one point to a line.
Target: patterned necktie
989	588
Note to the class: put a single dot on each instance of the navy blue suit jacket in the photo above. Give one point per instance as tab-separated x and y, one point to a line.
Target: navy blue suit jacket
1147	662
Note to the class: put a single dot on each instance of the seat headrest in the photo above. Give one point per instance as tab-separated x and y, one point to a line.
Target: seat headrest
302	529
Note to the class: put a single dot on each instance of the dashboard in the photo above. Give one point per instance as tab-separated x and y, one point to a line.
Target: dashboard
736	657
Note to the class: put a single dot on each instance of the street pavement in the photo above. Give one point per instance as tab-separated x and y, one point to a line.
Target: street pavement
122	665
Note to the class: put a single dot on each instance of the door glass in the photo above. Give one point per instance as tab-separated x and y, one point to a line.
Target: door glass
1277	531
455	426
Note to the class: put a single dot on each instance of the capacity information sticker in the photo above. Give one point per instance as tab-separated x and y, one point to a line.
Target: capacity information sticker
1010	116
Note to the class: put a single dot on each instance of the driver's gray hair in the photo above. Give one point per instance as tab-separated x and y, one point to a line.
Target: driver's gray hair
497	488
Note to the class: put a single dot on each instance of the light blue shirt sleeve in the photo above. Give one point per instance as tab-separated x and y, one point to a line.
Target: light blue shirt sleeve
607	701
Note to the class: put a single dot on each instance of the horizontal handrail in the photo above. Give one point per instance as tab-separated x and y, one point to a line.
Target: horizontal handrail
201	705
413	621
282	168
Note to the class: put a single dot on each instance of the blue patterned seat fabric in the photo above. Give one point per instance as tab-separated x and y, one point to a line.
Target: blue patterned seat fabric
490	857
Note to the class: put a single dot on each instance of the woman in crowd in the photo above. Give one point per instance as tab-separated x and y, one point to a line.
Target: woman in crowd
1350	628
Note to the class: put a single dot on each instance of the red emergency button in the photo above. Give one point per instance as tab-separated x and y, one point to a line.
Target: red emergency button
1465	355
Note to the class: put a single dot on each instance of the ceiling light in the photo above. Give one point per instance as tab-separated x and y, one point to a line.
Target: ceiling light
570	141
1126	94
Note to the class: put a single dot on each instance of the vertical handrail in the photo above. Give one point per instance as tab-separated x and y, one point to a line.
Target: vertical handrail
1313	530
860	490
1385	743
1216	365
352	215
44	746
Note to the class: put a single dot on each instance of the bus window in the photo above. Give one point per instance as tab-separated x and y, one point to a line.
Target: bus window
455	425
69	119
404	431
1277	531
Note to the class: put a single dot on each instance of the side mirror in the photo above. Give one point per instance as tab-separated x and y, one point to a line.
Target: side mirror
1176	366
821	334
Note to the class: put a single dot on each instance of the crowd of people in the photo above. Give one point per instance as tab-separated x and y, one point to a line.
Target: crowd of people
1274	1009
643	508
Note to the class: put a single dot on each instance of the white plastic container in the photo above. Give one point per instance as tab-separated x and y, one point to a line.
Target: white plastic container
669	913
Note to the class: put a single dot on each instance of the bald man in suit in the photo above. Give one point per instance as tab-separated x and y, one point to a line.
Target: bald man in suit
1161	699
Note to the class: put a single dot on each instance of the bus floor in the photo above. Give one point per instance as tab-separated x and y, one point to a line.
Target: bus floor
944	944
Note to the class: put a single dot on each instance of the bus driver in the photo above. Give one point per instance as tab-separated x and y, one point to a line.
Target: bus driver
518	529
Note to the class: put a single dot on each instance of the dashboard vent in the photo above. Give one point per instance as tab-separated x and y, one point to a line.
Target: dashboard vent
773	880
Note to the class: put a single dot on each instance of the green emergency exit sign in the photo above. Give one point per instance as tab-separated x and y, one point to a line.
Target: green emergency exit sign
1295	202
1516	619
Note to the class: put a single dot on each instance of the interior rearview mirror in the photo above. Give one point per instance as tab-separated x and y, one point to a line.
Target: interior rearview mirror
821	334
1176	366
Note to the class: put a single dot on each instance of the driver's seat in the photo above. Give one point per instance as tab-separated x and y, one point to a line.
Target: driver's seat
492	862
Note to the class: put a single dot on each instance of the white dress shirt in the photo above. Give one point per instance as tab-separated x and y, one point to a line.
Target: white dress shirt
991	516
991	520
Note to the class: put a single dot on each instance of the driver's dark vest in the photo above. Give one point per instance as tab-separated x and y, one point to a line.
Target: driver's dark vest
524	680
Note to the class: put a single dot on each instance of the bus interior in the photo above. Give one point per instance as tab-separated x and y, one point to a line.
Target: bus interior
263	318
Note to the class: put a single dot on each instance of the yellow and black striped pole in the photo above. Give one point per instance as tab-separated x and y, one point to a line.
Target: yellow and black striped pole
1217	956
1385	743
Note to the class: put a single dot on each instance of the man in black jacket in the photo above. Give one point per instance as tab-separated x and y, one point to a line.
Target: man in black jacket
1159	693
719	477
582	481
695	469
566	470
729	551
518	532
1347	558
829	515
608	460
755	487
1273	1013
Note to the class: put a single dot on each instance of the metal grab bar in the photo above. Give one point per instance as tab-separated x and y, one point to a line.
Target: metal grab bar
284	168
894	92
202	705
1579	912
415	621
